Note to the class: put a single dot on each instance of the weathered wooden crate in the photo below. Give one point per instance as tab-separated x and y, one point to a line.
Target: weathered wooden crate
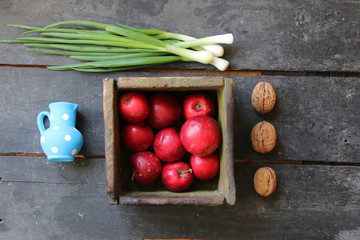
122	190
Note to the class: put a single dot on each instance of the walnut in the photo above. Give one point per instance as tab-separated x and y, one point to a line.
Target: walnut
265	181
263	97
263	137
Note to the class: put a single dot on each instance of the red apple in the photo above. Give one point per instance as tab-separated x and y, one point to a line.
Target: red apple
198	104
137	136
177	176
165	109
206	167
200	135
167	145
134	107
146	167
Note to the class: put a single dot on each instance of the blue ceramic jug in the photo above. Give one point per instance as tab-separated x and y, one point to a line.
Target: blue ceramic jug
61	141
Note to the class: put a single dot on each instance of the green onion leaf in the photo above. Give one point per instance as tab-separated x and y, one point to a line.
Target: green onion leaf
121	62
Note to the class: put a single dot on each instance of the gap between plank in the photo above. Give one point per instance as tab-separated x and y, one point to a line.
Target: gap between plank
248	73
295	162
21	66
43	155
238	72
57	183
257	161
231	72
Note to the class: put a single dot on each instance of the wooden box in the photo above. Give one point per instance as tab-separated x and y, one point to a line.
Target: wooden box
122	190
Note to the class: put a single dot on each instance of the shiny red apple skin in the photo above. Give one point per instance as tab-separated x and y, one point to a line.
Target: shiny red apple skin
200	135
134	107
146	167
165	110
177	177
137	136
198	104
167	145
205	168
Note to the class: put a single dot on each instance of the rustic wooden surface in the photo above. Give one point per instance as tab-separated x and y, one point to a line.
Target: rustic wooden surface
53	200
322	110
270	35
306	50
62	195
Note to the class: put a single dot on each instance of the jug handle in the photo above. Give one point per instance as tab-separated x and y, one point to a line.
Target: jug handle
40	120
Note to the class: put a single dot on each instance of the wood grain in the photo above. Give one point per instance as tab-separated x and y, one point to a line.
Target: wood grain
308	203
269	35
316	118
39	170
313	44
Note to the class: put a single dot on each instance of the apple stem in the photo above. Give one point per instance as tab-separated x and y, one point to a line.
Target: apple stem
187	171
127	100
133	176
198	107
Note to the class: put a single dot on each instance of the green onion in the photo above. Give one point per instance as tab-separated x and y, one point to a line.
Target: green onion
71	53
22	26
215	49
90	36
87	42
121	62
99	69
107	47
220	63
145	31
112	57
224	38
63	30
79	22
89	48
199	56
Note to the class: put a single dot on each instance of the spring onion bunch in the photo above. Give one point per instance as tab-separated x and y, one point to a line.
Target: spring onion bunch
105	47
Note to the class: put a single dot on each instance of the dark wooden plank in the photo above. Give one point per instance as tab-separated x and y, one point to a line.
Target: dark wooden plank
269	35
39	170
27	92
316	117
310	202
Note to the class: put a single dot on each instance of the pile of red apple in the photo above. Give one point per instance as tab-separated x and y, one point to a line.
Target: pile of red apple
159	148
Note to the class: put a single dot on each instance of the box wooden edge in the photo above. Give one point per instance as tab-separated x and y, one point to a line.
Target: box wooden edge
207	198
111	149
171	83
230	191
216	83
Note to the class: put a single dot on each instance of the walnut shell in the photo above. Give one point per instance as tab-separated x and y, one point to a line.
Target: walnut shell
263	137
265	181
263	97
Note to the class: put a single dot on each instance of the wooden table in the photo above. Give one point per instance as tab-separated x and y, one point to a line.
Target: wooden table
309	51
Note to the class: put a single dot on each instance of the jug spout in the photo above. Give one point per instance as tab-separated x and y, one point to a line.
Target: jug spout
63	113
68	105
75	107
